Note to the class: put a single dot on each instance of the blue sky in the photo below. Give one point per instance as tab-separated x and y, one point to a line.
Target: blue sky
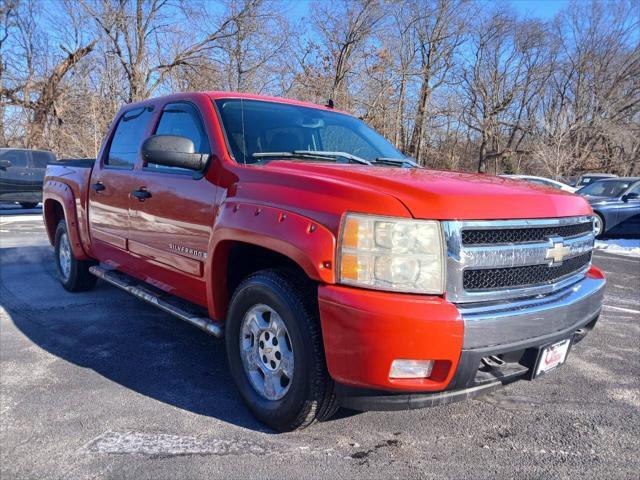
543	9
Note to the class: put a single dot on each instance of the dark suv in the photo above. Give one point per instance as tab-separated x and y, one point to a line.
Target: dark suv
22	174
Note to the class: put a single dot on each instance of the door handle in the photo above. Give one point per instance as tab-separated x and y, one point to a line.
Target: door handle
141	194
98	187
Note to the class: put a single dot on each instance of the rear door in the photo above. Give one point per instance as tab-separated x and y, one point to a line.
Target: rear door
171	228
111	184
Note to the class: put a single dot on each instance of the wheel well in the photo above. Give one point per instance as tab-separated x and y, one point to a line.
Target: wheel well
245	259
53	213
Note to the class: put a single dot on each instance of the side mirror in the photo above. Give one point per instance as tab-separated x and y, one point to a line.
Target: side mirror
4	164
173	151
630	196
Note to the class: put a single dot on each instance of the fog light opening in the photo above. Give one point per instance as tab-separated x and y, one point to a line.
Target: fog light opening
401	368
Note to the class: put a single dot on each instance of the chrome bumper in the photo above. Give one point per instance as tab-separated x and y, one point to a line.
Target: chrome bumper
490	324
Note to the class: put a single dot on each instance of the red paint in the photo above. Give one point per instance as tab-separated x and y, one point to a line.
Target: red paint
293	208
365	330
595	272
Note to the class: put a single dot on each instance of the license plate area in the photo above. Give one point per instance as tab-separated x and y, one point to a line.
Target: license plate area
551	357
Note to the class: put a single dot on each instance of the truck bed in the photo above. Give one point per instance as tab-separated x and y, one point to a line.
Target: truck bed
74	162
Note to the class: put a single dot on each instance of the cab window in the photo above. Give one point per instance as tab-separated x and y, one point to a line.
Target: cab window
125	145
181	119
18	158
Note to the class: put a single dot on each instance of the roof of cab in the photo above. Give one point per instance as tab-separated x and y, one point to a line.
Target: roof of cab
216	95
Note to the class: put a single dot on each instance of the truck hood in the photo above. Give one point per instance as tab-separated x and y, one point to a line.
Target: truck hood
443	195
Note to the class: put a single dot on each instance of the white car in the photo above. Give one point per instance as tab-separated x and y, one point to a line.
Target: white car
546	182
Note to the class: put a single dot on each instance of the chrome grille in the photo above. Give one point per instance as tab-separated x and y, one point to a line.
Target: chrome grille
522	235
528	275
495	260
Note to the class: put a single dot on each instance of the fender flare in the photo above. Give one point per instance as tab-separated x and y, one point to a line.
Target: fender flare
62	194
307	243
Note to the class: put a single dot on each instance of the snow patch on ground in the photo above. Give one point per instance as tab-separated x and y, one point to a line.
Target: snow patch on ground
620	246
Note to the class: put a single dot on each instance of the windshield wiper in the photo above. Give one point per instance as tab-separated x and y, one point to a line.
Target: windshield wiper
296	154
323	153
401	162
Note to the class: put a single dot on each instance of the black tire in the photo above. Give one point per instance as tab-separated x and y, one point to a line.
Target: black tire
28	205
599	219
78	279
311	393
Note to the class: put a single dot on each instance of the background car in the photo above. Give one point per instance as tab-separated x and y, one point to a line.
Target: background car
546	182
616	205
22	174
587	178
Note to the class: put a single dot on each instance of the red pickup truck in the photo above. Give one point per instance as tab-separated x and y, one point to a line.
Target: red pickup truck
338	270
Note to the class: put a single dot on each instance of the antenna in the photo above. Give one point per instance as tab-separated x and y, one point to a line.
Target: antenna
329	103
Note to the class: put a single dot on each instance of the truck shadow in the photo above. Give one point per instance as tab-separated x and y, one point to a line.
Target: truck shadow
121	338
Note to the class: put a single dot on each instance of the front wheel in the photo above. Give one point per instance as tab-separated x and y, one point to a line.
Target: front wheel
73	274
598	225
275	350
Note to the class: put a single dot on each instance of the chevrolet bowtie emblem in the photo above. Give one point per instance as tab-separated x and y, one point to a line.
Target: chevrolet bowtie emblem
558	251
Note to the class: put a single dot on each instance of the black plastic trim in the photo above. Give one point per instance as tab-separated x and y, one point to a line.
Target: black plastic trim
469	381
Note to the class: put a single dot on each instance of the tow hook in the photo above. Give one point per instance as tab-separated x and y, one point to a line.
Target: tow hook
493	361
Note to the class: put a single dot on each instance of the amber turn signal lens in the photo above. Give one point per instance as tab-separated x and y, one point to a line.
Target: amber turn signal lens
350	233
349	267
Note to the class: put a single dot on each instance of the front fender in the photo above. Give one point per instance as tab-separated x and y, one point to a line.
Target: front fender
307	243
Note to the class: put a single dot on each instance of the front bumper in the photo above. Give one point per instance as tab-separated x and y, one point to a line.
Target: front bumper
365	331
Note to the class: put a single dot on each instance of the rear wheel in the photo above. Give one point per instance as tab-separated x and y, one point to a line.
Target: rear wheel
275	350
28	205
73	273
598	225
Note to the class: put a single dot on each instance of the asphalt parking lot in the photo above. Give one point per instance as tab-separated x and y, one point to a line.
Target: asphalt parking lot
100	385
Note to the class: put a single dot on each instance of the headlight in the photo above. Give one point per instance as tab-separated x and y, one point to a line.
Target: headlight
387	253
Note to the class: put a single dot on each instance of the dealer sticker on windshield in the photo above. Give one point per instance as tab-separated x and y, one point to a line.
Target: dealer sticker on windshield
552	356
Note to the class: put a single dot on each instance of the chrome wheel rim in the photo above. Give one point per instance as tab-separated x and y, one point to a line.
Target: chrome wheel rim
266	351
64	256
597	225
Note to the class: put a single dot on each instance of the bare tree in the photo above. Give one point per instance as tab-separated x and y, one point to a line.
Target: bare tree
344	27
136	31
502	83
439	33
33	90
455	83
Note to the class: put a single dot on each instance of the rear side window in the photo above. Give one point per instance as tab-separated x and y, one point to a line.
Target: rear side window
128	138
18	158
40	159
182	119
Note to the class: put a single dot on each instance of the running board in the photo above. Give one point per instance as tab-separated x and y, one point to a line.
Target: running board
164	301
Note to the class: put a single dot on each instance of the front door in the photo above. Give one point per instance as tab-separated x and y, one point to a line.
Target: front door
170	229
628	213
111	184
16	178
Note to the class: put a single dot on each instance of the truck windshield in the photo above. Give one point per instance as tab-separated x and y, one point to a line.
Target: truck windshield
255	128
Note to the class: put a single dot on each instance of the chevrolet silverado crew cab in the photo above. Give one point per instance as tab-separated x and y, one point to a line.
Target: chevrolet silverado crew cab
338	271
